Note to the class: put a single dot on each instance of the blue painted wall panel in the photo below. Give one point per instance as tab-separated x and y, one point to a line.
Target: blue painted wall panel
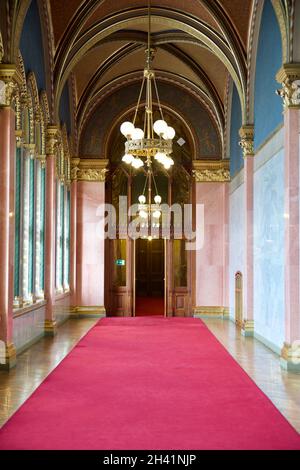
31	45
267	105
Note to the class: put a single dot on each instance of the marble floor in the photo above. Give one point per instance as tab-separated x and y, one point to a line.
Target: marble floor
258	361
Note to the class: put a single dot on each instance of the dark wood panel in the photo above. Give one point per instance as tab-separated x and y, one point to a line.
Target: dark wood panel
150	268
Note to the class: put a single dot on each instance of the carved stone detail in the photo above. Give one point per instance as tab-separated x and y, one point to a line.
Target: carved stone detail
52	139
211	171
9	81
91	174
88	170
247	140
289	77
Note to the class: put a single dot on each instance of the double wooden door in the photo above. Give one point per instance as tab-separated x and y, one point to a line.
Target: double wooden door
149	275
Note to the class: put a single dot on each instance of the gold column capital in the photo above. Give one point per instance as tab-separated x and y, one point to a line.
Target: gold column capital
88	169
247	140
52	139
289	78
10	79
210	171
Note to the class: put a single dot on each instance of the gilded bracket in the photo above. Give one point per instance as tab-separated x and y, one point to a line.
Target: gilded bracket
289	77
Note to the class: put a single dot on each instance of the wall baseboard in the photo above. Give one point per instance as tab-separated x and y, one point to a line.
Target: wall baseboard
211	312
88	311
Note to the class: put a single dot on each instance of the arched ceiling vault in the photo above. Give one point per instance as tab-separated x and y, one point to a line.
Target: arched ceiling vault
162	20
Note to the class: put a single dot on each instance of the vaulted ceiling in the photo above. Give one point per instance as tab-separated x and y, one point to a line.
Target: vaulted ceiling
198	44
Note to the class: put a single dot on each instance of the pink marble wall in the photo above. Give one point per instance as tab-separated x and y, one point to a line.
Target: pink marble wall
90	246
212	258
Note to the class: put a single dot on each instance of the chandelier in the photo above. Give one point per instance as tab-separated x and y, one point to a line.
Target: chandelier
153	142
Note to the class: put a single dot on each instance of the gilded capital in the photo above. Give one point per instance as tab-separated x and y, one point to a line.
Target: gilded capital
92	170
289	78
247	140
10	79
52	138
210	171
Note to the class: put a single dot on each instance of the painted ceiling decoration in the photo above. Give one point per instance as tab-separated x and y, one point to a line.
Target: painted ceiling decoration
97	47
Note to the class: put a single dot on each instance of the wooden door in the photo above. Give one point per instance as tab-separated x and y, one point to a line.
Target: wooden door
149	268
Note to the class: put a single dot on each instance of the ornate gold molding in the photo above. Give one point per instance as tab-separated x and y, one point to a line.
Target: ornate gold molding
10	79
50	327
216	312
8	356
247	140
209	171
93	311
92	170
290	356
52	139
289	77
247	327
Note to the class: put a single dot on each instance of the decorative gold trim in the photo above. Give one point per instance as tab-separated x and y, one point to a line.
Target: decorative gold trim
1	48
211	312
291	352
82	311
52	139
247	140
50	327
10	79
289	77
8	356
92	170
248	327
208	171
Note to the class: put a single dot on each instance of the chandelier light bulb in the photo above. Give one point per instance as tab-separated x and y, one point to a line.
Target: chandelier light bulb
137	163
160	127
128	158
127	129
157	199
167	164
156	214
142	199
137	134
143	214
160	156
169	134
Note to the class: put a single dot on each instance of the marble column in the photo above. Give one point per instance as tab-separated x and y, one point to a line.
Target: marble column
7	220
73	235
50	218
247	144
90	256
289	77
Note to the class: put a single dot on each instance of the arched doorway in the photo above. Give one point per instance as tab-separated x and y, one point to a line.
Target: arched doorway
239	299
138	269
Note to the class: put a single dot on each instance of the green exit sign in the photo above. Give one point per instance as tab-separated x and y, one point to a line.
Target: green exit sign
120	262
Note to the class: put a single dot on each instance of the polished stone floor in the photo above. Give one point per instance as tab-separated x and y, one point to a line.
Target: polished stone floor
258	361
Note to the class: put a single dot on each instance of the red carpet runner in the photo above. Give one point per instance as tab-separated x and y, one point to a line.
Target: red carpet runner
148	383
149	306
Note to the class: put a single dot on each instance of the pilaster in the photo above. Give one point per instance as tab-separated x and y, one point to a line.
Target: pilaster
289	77
52	138
9	80
247	144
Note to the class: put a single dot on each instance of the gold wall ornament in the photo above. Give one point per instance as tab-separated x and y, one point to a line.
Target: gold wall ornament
247	140
88	170
52	139
289	77
209	171
91	174
10	79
